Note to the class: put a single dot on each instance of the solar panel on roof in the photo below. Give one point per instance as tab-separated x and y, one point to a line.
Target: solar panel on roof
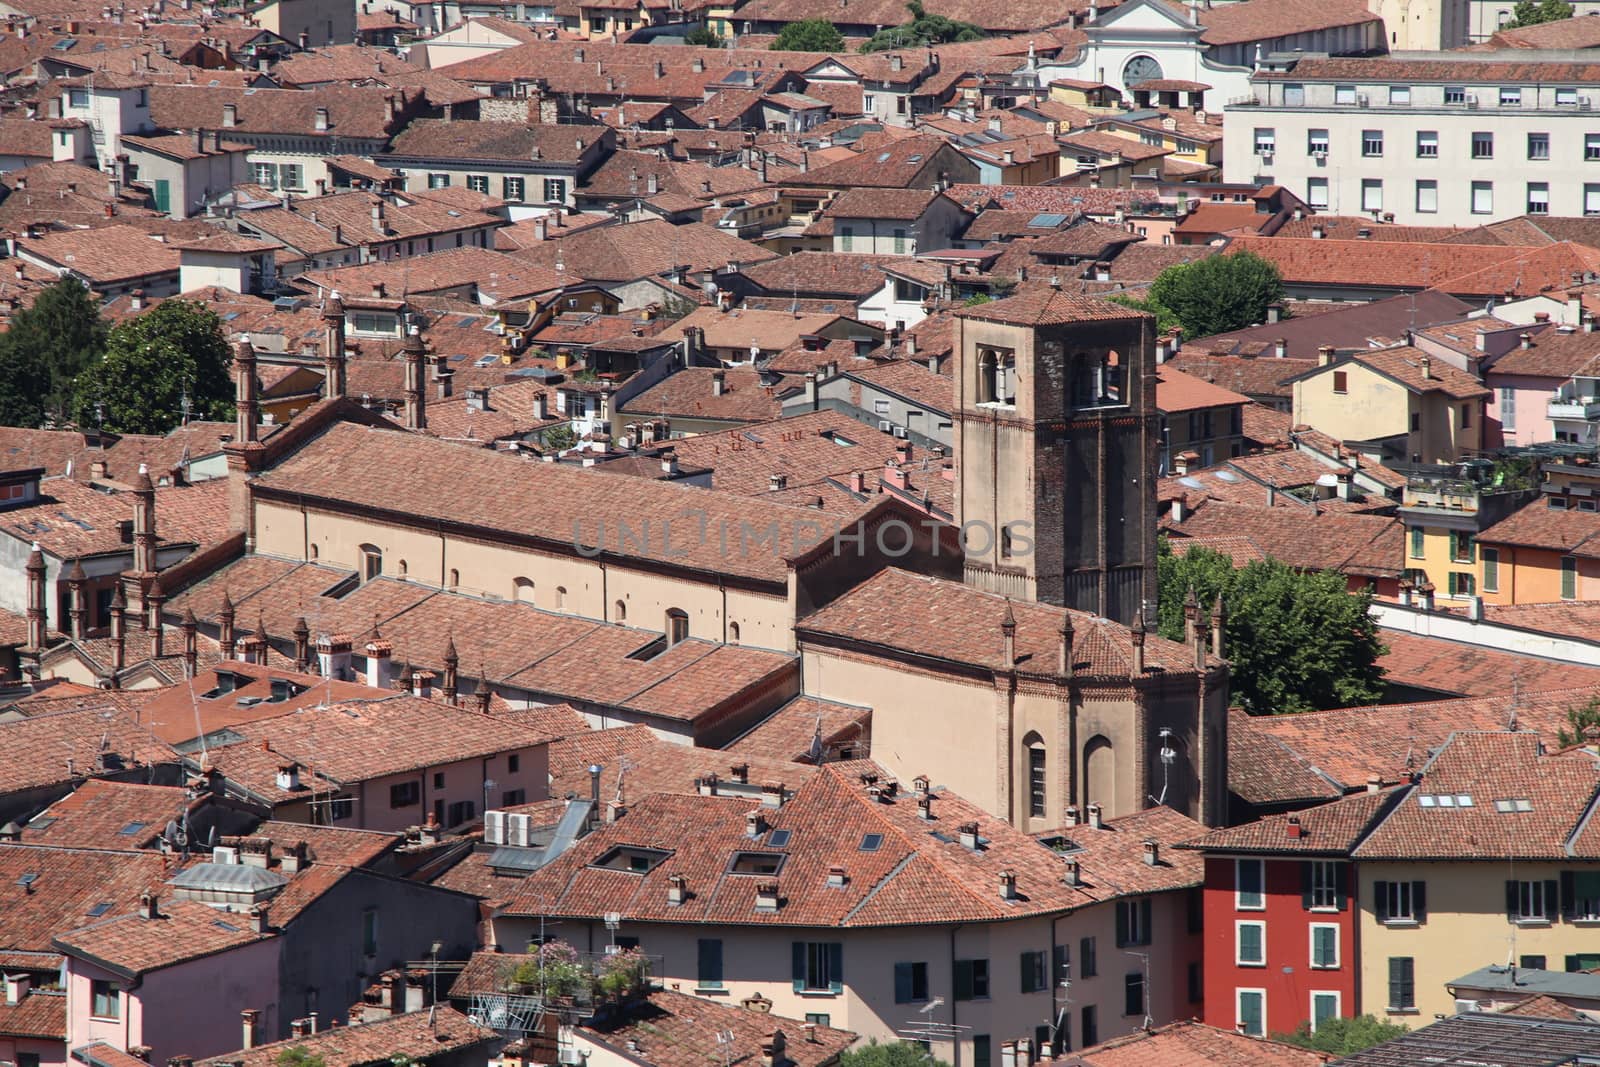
1047	220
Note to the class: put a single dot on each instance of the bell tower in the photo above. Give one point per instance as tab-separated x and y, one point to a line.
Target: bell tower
1056	439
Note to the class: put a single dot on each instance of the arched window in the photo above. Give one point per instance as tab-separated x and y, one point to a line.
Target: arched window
316	550
521	590
455	577
677	626
733	633
561	598
371	562
986	364
1038	787
402	569
1099	773
621	612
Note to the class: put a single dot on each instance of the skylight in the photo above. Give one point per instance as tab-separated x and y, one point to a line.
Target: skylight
131	829
871	842
779	838
1513	804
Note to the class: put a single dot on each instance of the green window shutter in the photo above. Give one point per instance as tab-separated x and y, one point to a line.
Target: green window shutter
1305	884
902	983
1569	578
163	195
709	969
1513	908
1551	890
799	966
1455	543
1122	924
1417	536
1146	912
1491	570
1419	901
1341	884
963	980
1569	895
1380	900
835	954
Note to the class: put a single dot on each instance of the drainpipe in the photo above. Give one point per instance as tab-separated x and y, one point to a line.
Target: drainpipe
955	1044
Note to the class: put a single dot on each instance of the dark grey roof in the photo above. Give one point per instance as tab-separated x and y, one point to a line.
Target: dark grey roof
1531	982
1345	329
1476	1039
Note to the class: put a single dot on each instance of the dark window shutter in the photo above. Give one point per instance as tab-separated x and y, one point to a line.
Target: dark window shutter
1511	900
1569	894
1063	963
1550	897
902	983
799	965
1419	901
1574	964
1305	884
1027	972
1380	901
1145	913
835	967
1341	885
1122	924
963	980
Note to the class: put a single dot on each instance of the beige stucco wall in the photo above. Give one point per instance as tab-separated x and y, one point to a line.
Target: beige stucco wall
1372	406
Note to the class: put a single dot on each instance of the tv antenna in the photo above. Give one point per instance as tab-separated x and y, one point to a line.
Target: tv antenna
929	1029
725	1046
1144	994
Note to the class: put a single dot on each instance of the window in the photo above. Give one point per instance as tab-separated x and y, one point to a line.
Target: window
1249	885
371	562
1566	98
1294	95
1324	1006
818	967
1483	145
1316	141
369	931
1538	146
1569	578
1461	583
1427	144
708	969
1491	570
1399	95
1089	1025
405	795
1341	382
1538	202
1400	902
341	808
78	97
677	628
1086	958
1531	901
1324	946
1250	943
1580	895
1416	423
1133	993
1582	961
31	1059
1252	1011
438	181
982	1050
1591	199
1317	192
1460	547
291	176
1133	922
461	811
1427	196
1033	974
1455	94
818	1018
846	237
264	174
1322	885
555	190
1344	94
513	763
510	798
1036	774
1483	198
478	183
438	779
105	1001
511	189
1531	963
1371	194
911	983
1510	97
1372	142
1266	141
1197	982
972	980
1402	983
1591	147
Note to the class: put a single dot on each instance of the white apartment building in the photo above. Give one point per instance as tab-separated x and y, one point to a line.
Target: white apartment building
1430	139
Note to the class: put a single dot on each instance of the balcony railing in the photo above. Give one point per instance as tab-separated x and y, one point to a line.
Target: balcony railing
1574	407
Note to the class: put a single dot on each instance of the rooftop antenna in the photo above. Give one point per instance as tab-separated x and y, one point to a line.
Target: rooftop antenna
1168	756
725	1046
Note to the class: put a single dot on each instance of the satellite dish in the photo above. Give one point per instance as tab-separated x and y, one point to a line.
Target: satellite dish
171	832
211	835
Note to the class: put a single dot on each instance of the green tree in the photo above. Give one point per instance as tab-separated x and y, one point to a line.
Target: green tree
702	37
923	29
1343	1037
44	351
1295	640
809	35
1533	12
559	438
299	1056
151	364
1218	293
1166	321
892	1054
1580	719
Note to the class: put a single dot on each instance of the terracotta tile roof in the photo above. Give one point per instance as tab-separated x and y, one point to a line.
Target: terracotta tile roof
1365	545
1111	146
367	113
437	1032
792	731
186	710
1500	68
117	816
1241	550
1085	238
337	63
182	930
820	274
641	250
1043	305
42	1014
894	204
1538	525
626	175
1326	829
537	500
495	141
911	379
70	883
1209	217
472	875
1344	326
106	255
892	164
678	1030
488	275
993	224
1473	670
322	224
1265	20
510	413
39	748
938	619
912	876
1347	227
1265	770
1404	366
1067	200
1576	618
27	138
1179	392
1190	1043
573	755
1545	1006
1143	261
688	393
1452	268
1489	767
1551	353
1392	741
1242	374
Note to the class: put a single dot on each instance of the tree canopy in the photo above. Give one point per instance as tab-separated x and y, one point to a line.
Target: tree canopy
1217	294
923	30
703	37
891	1054
299	1056
1534	12
809	35
152	363
1343	1037
47	347
1295	640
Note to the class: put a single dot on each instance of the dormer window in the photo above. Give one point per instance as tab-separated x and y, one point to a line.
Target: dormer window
630	858
768	863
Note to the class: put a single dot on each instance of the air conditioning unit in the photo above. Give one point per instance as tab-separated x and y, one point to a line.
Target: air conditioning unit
517	829
1472	100
224	854
1265	156
494	827
900	431
1363	101
1320	156
1584	103
886	426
